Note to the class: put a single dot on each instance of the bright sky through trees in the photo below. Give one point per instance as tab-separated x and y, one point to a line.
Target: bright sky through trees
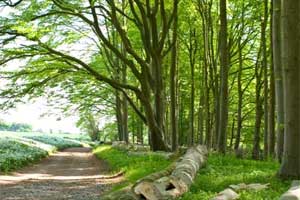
32	113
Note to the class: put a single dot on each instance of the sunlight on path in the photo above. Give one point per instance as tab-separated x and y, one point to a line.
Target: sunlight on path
72	174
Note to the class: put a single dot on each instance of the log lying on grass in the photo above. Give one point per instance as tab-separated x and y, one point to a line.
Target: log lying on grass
293	193
123	194
122	145
253	186
167	184
227	194
231	192
179	180
165	155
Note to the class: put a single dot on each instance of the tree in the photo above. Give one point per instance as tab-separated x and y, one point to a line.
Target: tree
290	167
223	115
152	21
89	124
173	81
278	76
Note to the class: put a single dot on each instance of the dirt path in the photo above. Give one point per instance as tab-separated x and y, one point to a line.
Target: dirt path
74	173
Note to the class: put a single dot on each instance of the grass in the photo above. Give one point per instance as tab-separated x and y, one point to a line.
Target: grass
222	171
135	167
219	173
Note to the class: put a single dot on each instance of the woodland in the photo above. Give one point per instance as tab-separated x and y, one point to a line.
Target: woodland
168	74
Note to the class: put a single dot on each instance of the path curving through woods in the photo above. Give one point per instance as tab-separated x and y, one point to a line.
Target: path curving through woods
74	173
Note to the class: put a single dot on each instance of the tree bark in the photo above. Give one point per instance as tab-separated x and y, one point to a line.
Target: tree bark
192	58
222	135
271	150
258	109
266	81
278	77
119	116
240	98
290	167
173	77
168	186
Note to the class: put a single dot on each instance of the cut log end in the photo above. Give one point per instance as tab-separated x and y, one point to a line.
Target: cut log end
293	193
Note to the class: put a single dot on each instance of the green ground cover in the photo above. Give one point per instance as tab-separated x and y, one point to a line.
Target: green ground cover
217	175
20	149
221	172
134	167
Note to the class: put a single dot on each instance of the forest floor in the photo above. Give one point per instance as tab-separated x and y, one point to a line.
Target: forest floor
74	173
222	171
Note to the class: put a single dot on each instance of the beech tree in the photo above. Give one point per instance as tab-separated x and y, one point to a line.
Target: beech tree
152	21
167	73
290	167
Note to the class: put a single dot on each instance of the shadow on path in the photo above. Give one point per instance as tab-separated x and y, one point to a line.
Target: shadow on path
74	173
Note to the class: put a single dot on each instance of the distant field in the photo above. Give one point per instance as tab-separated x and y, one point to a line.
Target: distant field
18	149
64	135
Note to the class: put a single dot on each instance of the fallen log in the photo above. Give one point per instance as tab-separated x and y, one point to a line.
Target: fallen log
293	193
227	194
122	145
180	179
165	155
252	186
123	194
150	186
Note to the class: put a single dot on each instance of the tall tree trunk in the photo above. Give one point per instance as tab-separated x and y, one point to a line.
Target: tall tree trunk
192	51
278	77
205	10
159	100
232	132
119	117
265	67
124	109
271	150
200	118
208	138
173	77
258	109
240	98
124	106
222	135
290	167
140	129
156	129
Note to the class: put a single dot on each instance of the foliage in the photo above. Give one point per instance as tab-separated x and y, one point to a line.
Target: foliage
222	171
58	142
135	167
18	150
90	124
15	154
16	127
109	132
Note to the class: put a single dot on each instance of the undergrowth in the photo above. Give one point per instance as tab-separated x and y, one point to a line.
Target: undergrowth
18	151
133	166
222	171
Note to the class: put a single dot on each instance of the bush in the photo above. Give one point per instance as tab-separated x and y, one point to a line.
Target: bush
15	154
58	142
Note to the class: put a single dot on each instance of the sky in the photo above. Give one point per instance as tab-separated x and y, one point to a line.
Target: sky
32	113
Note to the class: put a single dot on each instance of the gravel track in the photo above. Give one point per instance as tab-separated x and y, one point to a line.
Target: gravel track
74	173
